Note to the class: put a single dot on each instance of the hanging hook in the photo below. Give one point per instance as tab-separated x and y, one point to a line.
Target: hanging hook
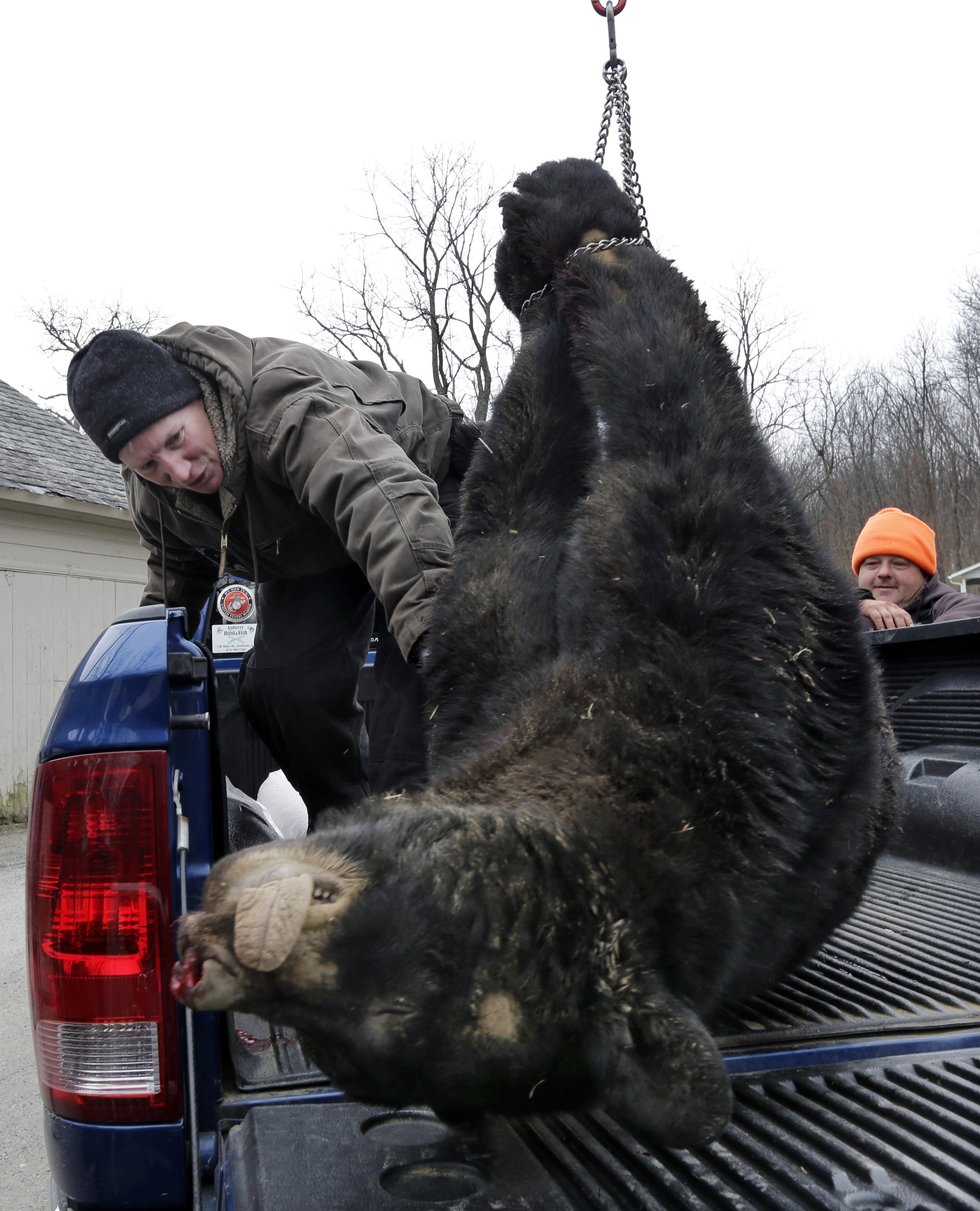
611	25
610	9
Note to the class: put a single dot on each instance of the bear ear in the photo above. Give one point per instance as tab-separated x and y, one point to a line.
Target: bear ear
668	1081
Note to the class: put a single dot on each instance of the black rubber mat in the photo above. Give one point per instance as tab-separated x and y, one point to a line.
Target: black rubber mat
896	1134
931	681
908	958
902	1135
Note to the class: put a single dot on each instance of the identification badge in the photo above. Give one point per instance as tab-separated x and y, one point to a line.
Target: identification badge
232	637
236	603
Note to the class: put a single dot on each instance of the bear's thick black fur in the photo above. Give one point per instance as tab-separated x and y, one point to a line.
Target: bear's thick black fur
661	772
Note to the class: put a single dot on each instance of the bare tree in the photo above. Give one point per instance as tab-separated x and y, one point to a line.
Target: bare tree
904	434
67	329
423	275
965	369
774	370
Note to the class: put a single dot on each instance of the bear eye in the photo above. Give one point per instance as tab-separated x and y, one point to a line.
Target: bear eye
396	1008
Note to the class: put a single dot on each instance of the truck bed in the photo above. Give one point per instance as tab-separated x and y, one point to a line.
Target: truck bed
856	1079
857	1085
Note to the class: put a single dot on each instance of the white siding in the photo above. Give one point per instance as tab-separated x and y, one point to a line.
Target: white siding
66	570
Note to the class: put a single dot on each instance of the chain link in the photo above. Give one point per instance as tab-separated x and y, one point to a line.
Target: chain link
617	103
607	113
612	242
595	246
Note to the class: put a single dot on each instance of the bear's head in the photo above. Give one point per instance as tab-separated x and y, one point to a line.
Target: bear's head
398	1006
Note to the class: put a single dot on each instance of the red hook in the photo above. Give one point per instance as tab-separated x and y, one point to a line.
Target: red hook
600	8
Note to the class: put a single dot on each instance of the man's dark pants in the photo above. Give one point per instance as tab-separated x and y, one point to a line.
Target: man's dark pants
298	687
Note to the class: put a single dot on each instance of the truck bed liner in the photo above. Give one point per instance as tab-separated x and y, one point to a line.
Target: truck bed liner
909	957
876	1135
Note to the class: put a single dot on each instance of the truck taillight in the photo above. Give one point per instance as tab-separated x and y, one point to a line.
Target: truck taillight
100	945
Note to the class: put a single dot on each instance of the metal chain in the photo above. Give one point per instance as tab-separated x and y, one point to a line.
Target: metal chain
612	242
607	113
595	246
617	102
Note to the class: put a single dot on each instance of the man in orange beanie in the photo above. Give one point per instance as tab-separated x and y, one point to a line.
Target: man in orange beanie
895	562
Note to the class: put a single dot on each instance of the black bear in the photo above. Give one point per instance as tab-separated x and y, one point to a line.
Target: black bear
661	771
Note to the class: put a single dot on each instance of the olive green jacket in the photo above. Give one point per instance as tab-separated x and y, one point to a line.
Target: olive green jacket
333	462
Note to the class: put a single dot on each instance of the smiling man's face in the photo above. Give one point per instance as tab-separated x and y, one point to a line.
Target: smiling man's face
179	451
891	578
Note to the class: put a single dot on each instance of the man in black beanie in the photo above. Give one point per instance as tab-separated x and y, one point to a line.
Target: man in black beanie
324	481
121	383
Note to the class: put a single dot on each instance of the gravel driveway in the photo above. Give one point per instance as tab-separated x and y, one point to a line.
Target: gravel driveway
23	1164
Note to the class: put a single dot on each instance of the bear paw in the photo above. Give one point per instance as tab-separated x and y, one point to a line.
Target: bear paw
555	208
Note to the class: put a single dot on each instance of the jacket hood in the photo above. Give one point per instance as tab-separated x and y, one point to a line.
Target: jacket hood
226	359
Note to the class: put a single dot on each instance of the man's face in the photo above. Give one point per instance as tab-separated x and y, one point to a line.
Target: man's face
891	578
178	451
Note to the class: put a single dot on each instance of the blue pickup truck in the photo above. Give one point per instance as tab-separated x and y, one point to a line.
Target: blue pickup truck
857	1079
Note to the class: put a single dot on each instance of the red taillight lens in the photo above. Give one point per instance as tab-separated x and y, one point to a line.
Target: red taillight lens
99	938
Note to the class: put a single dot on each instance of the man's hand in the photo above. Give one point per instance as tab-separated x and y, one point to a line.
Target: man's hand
416	656
883	615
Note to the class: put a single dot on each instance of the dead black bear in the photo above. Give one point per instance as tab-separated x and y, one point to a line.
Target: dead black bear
659	771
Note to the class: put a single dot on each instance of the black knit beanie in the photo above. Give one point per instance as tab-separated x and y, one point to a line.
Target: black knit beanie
121	383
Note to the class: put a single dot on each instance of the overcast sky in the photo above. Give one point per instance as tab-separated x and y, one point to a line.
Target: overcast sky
197	158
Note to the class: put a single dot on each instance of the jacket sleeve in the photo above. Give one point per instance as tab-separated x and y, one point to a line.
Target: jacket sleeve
357	479
954	605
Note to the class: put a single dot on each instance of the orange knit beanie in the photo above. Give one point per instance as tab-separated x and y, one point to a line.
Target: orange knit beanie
892	532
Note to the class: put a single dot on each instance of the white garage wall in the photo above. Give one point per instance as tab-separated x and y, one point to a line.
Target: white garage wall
67	569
